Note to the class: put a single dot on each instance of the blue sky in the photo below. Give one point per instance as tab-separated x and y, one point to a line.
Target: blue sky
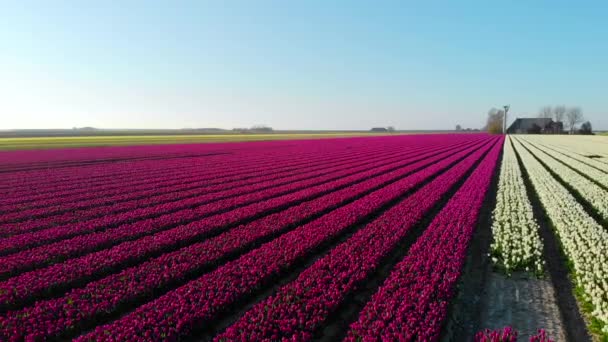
297	64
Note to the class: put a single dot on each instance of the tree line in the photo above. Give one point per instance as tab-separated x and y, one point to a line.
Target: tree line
569	116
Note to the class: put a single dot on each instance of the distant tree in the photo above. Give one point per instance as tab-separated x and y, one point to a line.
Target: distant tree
494	121
390	128
559	113
574	116
458	128
545	112
261	128
379	129
586	128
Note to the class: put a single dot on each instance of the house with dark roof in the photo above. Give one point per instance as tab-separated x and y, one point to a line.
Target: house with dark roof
536	126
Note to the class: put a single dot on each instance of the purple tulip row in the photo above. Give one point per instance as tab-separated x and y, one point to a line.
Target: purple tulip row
136	224
298	309
75	181
107	295
87	173
156	182
412	303
52	158
508	334
76	172
192	188
32	284
198	302
232	163
56	162
91	241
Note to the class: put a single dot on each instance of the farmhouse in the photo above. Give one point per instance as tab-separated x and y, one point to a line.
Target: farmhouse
536	126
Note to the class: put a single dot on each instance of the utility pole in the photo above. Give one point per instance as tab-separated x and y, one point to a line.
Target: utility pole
504	119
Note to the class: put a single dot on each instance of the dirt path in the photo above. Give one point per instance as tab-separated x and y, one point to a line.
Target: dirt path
523	303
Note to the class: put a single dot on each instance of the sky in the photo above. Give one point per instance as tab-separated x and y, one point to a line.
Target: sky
298	64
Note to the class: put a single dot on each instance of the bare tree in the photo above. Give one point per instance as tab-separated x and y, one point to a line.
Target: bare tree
494	123
559	112
545	112
574	116
458	128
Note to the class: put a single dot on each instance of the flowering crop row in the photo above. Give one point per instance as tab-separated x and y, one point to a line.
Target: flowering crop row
148	156
48	254
576	147
299	308
60	157
584	241
593	173
76	182
228	165
106	259
599	164
201	300
413	301
590	191
195	191
189	179
71	184
85	174
508	334
29	284
517	245
108	294
201	205
240	158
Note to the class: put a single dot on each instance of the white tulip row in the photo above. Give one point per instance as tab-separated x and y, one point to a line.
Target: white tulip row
585	242
568	159
601	163
577	147
517	245
591	192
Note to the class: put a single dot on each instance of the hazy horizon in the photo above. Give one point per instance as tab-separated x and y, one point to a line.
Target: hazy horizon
297	66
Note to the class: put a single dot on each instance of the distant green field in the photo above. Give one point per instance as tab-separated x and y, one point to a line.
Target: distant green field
83	141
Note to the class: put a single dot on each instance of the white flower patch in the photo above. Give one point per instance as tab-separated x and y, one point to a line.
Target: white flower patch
517	244
585	242
591	192
576	147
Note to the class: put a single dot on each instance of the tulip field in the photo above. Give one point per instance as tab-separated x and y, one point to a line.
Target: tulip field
353	238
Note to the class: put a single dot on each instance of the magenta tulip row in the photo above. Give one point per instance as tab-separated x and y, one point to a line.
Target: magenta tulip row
168	180
138	200
32	284
107	295
87	173
59	159
191	188
198	302
508	334
298	309
45	172
413	301
71	155
154	218
232	162
75	180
